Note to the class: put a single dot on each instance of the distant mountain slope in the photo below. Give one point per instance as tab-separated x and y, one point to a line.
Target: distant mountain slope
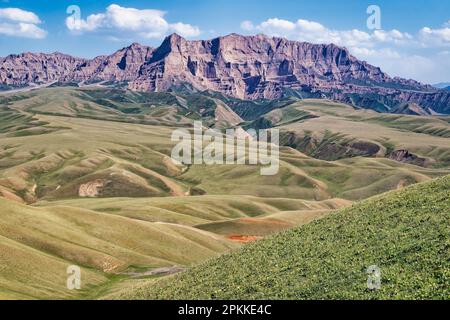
251	67
26	68
442	85
404	233
29	68
123	65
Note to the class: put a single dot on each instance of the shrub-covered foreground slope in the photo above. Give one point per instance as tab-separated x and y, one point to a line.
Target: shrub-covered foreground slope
405	233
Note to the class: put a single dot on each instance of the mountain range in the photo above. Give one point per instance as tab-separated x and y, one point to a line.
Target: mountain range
86	176
244	67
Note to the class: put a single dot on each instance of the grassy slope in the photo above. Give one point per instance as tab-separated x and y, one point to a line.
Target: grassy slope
405	233
336	123
48	240
223	215
134	155
54	140
54	155
197	210
123	106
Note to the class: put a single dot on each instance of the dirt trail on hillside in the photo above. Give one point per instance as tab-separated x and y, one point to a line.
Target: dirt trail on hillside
164	271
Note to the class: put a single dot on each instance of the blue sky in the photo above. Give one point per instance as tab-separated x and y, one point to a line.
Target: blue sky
413	42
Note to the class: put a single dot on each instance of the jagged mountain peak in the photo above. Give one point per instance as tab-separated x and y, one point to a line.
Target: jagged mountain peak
175	37
171	41
134	47
245	67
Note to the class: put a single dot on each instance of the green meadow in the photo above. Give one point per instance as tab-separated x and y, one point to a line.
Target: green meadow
86	179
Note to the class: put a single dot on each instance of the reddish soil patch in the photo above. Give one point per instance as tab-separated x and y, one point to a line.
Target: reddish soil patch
243	239
10	196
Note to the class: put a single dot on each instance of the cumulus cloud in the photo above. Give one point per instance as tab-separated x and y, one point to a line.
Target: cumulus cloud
368	53
435	37
16	22
92	23
186	30
146	23
391	36
276	26
431	68
311	31
19	15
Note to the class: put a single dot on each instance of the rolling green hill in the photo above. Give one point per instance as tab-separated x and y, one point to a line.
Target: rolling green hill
86	179
332	131
49	152
405	233
38	244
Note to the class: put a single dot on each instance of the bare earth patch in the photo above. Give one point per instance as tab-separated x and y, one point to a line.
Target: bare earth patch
243	239
91	189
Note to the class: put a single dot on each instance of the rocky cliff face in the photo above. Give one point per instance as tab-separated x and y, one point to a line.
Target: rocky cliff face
26	68
407	157
123	65
251	67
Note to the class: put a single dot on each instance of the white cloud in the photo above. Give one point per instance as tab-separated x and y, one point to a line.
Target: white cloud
311	31
276	26
186	30
136	20
391	36
427	67
435	37
19	15
368	53
16	22
92	23
311	26
433	68
146	23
